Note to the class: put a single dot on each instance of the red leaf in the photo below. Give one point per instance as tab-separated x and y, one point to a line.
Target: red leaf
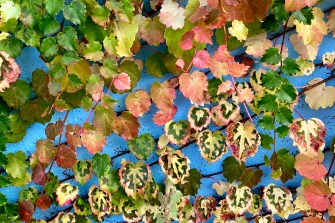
26	210
122	82
54	129
93	140
10	71
202	34
202	59
312	220
66	157
39	177
126	126
194	87
317	195
43	202
164	116
311	168
138	103
186	41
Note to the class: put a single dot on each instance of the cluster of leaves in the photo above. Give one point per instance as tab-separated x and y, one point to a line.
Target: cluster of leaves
90	49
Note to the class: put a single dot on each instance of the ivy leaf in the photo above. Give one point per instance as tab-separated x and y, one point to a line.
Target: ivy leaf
175	165
142	146
177	132
82	207
103	119
278	200
308	135
243	139
100	202
101	164
75	12
122	82
53	6
49	47
286	93
151	30
271	80
199	118
17	167
138	103
92	51
251	178
294	5
172	15
39	176
311	168
313	220
17	94
239	199
125	34
282	131
26	211
232	170
92	139
271	56
290	67
266	122
66	157
83	170
189	82
110	182
266	141
66	193
12	46
239	30
224	113
304	15
268	103
212	145
285	161
126	126
283	115
134	178
192	183
45	151
63	217
54	129
203	207
321	96
317	195
43	202
155	66
68	38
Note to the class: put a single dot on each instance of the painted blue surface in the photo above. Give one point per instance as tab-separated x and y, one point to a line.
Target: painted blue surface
29	60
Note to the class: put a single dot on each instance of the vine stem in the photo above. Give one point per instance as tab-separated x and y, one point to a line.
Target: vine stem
282	43
299	114
330	167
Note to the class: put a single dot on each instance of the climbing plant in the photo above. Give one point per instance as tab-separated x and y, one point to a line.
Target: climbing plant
228	58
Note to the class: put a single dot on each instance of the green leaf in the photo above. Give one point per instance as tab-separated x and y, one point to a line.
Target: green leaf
266	122
271	80
155	66
283	115
82	171
192	184
142	146
280	12
53	6
270	23
285	161
266	141
36	111
133	71
304	15
232	170
75	12
68	38
4	182
48	25
3	199
212	145
286	93
92	51
103	119
17	167
123	9
49	47
233	43
271	56
110	68
110	182
125	34
17	94
251	178
177	132
268	103
290	67
12	46
282	131
101	164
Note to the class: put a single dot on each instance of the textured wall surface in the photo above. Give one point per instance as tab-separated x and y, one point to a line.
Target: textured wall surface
29	60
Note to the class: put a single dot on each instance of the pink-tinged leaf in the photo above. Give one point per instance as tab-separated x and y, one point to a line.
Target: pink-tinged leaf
180	64
43	202
45	151
203	34
126	126
222	55
186	41
312	220
237	69
26	211
66	157
39	176
162	95
66	193
194	87
295	5
311	168
164	116
122	82
10	71
72	135
232	2
226	87
138	103
93	140
317	195
172	15
202	59
200	13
